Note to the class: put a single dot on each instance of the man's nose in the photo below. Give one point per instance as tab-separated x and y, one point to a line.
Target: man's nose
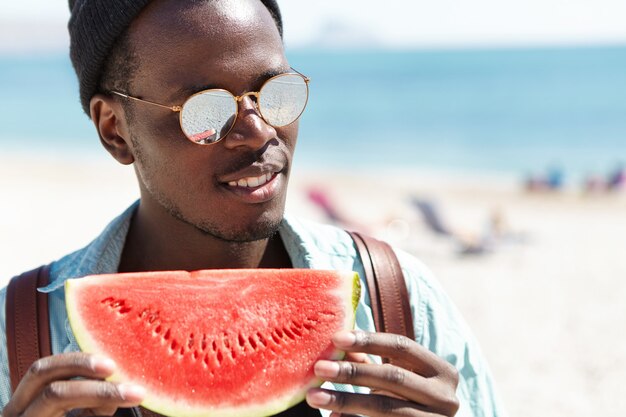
250	129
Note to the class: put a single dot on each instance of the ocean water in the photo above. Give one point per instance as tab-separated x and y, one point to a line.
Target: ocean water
502	111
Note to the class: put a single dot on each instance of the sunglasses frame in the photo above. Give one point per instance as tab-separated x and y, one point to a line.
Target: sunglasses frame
256	94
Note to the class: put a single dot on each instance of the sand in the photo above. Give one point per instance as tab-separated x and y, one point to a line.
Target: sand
546	301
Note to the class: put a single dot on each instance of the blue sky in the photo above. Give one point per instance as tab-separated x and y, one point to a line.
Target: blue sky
28	25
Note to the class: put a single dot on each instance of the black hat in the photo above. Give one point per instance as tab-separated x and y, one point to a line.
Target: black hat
94	27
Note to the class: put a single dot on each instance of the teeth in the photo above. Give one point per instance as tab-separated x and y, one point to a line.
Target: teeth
254	182
251	181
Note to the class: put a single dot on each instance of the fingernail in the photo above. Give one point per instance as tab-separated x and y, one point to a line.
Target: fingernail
131	392
102	364
326	369
344	339
318	398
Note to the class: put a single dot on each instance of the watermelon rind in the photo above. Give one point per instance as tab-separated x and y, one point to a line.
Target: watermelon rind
350	291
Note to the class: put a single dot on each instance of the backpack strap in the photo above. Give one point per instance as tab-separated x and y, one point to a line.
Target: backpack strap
389	296
27	324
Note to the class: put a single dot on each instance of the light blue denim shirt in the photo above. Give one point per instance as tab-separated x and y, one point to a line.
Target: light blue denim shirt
438	325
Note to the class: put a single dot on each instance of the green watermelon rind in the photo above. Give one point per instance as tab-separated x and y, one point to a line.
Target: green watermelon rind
351	289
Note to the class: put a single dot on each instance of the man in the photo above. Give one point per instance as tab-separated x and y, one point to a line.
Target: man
213	180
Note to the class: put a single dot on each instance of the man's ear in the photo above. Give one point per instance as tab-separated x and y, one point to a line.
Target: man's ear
110	120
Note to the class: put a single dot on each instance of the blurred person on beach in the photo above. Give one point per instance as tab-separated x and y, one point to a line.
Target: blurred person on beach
213	184
617	178
614	181
552	180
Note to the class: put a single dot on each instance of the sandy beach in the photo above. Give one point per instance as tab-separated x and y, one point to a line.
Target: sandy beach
545	295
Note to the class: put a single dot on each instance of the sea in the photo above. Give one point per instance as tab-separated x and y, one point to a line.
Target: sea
510	112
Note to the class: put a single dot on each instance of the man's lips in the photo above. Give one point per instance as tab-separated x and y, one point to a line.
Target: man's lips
252	182
252	176
268	187
257	183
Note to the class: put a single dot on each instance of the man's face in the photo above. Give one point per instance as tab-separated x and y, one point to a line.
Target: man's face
181	49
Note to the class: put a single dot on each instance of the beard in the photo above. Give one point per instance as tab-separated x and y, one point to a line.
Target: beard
263	229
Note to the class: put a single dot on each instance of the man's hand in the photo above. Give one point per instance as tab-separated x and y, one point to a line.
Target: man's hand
419	383
48	390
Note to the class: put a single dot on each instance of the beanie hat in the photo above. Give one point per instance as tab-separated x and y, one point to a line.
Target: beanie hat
94	27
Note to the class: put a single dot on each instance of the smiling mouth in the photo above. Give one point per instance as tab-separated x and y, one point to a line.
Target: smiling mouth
253	182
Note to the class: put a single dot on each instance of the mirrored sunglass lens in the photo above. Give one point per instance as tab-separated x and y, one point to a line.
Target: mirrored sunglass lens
208	116
282	99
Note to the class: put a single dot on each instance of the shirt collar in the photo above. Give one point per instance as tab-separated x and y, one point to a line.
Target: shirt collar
101	256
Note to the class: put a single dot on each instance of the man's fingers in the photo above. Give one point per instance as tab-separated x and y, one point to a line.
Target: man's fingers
59	397
401	350
358	357
55	368
364	404
402	384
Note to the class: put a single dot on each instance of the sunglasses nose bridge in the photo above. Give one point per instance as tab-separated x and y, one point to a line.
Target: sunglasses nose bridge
254	94
255	101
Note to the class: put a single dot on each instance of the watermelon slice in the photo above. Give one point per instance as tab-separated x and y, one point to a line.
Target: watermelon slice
215	342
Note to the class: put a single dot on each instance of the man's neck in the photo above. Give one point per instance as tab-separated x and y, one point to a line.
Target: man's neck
154	245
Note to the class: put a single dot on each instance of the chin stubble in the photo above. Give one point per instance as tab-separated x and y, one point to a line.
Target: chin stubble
260	231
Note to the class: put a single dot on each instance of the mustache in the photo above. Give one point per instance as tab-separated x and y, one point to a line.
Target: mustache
272	153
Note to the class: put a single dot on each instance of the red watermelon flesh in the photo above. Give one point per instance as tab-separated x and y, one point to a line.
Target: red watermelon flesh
215	342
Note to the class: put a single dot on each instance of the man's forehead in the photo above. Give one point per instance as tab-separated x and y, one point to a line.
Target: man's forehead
231	44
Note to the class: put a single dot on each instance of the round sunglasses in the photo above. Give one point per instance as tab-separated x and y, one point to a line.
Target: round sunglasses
206	117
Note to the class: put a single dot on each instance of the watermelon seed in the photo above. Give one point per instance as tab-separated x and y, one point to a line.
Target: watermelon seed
275	337
182	351
279	333
174	344
206	360
214	346
252	342
125	310
158	329
296	331
191	341
242	341
167	335
289	334
107	300
261	339
195	355
203	347
220	357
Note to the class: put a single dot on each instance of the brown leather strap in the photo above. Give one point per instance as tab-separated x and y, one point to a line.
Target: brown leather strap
27	324
370	278
389	296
